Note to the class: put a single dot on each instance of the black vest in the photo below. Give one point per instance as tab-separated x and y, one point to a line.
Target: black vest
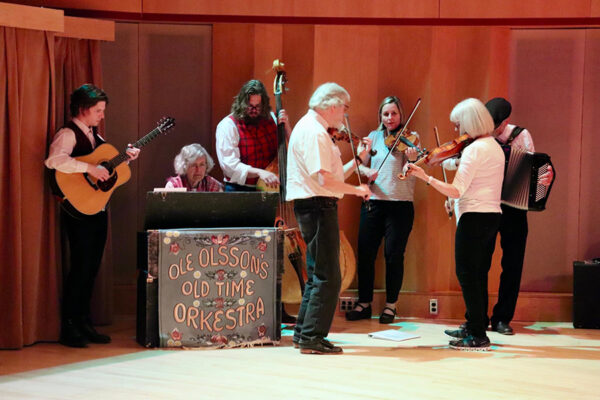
83	147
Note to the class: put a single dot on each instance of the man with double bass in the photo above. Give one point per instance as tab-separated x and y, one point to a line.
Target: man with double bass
86	234
247	139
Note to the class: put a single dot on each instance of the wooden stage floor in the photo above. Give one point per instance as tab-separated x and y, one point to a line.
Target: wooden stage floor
542	361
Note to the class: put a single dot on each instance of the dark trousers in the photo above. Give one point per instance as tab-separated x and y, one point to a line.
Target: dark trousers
392	220
318	221
87	237
513	239
474	246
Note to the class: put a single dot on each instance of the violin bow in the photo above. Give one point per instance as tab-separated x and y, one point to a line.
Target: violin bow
349	132
399	135
437	140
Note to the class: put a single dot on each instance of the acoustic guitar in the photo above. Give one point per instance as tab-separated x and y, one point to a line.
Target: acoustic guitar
88	195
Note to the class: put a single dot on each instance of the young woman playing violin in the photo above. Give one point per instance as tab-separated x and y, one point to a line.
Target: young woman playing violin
389	214
477	185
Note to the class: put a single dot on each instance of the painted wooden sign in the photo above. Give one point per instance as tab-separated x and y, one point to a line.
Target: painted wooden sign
217	287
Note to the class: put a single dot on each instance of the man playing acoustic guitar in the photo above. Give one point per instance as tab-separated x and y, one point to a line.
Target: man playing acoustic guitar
86	233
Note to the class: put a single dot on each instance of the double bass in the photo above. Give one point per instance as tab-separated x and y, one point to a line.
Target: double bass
294	248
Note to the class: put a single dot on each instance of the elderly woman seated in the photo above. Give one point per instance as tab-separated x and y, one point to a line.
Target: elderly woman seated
192	165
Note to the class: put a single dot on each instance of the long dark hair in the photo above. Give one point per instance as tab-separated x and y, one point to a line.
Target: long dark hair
391	100
86	96
240	102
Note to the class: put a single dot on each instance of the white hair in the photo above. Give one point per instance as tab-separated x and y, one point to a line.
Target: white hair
327	95
188	154
473	118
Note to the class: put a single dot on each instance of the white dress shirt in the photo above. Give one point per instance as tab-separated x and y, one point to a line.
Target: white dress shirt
311	150
62	146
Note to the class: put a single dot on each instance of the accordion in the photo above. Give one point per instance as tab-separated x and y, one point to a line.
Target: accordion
521	172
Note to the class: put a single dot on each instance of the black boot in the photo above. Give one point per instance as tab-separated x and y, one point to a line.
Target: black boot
71	335
287	318
87	329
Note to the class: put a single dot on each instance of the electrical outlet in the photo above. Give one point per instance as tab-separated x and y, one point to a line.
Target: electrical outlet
433	306
347	303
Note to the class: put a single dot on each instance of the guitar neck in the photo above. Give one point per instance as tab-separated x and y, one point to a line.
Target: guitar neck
121	157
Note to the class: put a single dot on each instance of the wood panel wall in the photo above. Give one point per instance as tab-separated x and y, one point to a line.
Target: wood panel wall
549	75
355	9
436	64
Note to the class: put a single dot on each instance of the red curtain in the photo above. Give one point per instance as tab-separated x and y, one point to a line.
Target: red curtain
28	273
37	74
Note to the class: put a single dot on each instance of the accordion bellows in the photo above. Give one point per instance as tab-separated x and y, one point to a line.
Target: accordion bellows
521	174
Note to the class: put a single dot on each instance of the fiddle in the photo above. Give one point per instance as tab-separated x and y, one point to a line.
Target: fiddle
407	139
343	135
447	150
399	137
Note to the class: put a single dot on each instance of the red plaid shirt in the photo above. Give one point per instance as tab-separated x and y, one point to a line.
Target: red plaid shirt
258	143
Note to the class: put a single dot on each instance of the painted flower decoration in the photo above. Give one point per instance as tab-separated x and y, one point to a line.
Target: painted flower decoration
218	339
219	302
262	330
220	275
175	334
220	239
262	246
174	248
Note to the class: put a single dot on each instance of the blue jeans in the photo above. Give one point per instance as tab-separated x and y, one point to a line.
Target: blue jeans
318	221
392	220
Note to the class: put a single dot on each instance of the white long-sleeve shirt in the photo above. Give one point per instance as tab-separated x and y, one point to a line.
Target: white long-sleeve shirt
62	146
228	152
479	177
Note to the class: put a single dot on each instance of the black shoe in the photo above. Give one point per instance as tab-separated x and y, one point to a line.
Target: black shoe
287	318
355	315
319	346
91	334
459	333
503	328
471	343
386	318
71	336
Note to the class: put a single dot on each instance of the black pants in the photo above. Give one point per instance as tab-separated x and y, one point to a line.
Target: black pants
318	220
513	239
474	246
87	237
392	220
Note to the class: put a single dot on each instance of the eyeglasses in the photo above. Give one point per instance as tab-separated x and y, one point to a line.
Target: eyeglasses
255	108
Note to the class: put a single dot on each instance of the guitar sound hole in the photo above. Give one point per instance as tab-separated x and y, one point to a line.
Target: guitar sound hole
106	185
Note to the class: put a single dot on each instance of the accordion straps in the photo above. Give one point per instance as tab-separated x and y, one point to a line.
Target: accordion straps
515	132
